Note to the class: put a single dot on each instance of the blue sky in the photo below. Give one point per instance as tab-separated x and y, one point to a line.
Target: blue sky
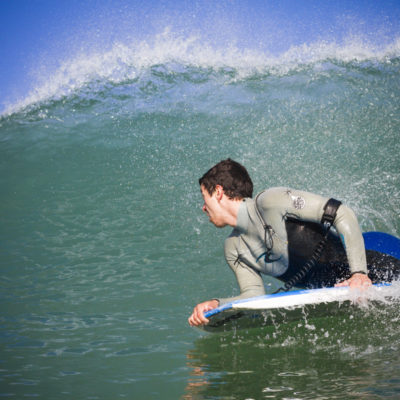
39	34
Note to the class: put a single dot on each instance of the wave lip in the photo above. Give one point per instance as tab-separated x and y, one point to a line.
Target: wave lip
128	62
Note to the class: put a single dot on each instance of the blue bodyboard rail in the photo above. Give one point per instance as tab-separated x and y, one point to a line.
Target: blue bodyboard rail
382	242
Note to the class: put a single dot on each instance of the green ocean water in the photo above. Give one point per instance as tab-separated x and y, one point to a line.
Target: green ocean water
105	250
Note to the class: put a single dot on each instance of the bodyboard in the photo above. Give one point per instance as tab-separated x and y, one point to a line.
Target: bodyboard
273	309
382	242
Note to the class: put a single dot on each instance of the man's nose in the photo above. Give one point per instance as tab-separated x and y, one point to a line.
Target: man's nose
204	207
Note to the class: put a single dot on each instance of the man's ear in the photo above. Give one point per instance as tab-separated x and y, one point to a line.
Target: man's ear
219	192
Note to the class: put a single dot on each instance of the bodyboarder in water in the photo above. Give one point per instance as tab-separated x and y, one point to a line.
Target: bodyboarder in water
278	232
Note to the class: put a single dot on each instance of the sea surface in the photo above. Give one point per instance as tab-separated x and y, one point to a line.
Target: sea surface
104	249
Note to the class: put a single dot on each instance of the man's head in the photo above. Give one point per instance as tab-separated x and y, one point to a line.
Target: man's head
232	176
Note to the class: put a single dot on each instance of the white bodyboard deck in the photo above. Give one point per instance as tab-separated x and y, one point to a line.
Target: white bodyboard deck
289	306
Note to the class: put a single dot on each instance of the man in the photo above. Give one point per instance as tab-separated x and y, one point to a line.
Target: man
276	233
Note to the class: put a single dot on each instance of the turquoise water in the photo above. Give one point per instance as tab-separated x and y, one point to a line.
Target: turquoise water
104	248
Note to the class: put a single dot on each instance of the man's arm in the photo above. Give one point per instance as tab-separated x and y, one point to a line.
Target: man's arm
348	228
250	283
279	202
249	280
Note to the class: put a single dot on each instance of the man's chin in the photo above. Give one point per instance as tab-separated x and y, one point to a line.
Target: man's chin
218	224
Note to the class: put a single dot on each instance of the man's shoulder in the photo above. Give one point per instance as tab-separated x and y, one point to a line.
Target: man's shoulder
232	241
276	190
233	236
273	195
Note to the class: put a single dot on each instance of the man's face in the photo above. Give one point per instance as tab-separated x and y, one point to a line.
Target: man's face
212	207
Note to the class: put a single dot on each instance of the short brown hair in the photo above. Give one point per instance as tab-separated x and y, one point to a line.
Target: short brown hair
232	176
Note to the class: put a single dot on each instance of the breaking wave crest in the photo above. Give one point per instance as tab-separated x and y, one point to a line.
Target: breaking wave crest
177	55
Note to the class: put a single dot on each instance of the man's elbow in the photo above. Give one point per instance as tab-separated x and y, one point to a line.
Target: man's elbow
346	223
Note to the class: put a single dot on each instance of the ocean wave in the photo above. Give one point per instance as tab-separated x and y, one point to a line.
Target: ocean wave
168	55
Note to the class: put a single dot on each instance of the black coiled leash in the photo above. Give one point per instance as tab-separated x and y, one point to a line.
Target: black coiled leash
327	220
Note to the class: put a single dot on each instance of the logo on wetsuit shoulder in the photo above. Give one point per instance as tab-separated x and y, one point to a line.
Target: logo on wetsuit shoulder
298	202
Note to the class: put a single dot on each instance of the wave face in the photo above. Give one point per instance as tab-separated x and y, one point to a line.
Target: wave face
106	250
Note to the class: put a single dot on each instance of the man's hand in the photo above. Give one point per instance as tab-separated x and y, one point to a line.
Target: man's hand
198	318
356	281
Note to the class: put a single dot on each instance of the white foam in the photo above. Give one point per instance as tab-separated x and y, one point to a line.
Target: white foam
128	61
376	295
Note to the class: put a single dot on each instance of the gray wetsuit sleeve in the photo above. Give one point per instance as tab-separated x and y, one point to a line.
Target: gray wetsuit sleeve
349	230
249	280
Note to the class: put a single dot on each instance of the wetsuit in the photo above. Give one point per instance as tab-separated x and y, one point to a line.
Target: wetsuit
294	229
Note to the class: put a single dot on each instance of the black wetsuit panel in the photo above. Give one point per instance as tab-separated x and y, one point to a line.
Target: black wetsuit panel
332	267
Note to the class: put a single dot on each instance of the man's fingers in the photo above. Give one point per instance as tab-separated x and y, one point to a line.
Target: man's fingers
197	318
356	281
